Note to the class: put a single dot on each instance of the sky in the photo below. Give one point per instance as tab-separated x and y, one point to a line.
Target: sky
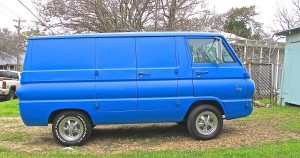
12	9
266	8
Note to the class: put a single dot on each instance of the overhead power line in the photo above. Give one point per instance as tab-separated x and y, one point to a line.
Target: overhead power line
36	17
8	9
6	14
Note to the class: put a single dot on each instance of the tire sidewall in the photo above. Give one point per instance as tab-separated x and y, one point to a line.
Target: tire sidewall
86	126
192	122
10	95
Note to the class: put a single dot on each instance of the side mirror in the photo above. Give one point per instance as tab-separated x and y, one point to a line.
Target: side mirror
219	51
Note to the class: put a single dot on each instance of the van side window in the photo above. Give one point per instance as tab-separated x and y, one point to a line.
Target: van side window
204	51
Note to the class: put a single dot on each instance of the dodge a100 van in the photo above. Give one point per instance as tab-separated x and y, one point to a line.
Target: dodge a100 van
76	82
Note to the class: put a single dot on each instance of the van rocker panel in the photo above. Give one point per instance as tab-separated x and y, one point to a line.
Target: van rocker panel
36	113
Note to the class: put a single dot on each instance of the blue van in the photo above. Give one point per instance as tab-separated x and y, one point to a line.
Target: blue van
76	82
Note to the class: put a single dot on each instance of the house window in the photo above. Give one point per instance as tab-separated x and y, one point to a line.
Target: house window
12	67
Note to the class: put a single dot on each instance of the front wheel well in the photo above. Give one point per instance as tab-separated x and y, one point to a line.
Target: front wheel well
56	112
202	102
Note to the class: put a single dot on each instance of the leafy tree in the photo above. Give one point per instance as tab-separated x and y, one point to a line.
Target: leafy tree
238	28
241	22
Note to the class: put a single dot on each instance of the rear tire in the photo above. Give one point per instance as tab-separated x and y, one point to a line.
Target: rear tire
10	95
205	122
71	128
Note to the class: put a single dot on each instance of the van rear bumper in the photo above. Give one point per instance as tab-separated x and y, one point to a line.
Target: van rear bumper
238	108
33	116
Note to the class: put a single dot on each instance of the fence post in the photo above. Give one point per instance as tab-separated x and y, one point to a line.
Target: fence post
252	58
270	48
277	70
245	51
260	55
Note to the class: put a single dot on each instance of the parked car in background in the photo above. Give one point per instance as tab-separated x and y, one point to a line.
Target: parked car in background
9	82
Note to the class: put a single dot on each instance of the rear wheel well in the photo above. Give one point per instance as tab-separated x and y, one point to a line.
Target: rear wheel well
56	112
202	102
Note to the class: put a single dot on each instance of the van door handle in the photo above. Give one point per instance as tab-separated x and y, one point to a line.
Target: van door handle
201	72
141	74
96	72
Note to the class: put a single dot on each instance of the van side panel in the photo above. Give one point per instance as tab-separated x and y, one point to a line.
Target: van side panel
116	80
61	60
58	74
63	54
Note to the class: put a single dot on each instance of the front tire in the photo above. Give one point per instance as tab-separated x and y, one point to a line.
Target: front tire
205	122
181	123
71	128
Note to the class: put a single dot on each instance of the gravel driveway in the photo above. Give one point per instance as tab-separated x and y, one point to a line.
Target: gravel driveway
119	138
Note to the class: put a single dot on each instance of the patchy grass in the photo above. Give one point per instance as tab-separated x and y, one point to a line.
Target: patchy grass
9	108
2	149
289	148
267	132
285	117
268	101
15	137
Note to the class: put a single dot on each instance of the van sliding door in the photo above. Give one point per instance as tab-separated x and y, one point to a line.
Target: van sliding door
156	73
116	74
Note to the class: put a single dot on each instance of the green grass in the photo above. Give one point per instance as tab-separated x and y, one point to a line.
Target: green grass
289	116
268	101
278	110
9	108
14	137
289	148
285	117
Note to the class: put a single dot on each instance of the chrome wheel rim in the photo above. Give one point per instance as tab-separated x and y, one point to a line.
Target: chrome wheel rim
71	128
206	123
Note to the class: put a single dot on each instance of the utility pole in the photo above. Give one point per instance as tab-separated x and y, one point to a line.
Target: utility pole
18	26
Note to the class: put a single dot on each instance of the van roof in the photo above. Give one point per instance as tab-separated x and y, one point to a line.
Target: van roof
130	34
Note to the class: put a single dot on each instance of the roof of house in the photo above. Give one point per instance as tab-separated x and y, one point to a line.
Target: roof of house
288	31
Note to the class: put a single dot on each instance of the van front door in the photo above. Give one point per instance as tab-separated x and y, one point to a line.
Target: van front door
224	81
156	74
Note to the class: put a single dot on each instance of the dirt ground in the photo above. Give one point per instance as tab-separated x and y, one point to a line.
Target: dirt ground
120	138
